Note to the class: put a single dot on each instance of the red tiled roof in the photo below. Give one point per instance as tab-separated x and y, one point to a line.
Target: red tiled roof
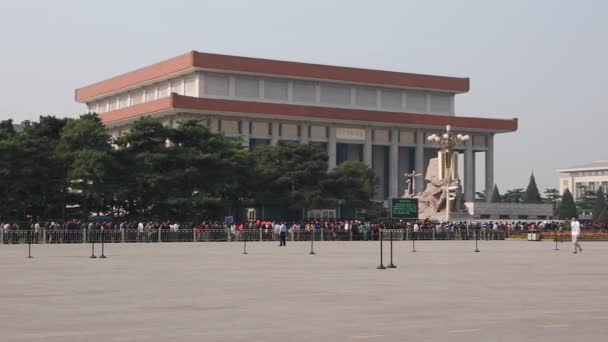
196	59
186	103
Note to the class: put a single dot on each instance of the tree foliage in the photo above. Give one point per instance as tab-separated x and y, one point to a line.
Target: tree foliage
154	171
496	198
532	195
567	207
513	196
600	204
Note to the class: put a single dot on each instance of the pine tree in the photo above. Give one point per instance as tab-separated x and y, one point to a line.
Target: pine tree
600	204
532	194
496	198
567	208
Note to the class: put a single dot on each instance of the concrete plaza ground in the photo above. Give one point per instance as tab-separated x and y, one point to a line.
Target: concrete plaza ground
511	291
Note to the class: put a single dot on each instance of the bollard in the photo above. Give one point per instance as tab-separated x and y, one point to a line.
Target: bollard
407	234
556	248
322	234
29	245
291	235
391	265
414	241
1	234
92	250
312	239
433	233
85	232
194	234
122	235
44	239
476	239
245	244
160	230
103	233
381	266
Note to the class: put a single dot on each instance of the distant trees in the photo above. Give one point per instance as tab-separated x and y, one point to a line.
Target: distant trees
496	197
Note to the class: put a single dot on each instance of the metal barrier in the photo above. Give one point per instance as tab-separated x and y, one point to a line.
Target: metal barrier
216	235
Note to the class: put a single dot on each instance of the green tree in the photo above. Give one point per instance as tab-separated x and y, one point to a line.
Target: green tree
532	195
513	196
552	196
84	148
32	176
600	204
603	216
567	207
496	198
290	172
353	182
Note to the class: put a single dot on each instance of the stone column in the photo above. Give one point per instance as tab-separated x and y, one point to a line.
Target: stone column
331	147
419	161
490	167
393	185
304	138
245	132
367	147
213	124
274	139
469	172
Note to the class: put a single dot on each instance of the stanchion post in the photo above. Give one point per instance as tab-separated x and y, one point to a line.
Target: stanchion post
381	267
312	239
245	242
391	265
103	233
414	234
556	248
29	245
476	239
92	246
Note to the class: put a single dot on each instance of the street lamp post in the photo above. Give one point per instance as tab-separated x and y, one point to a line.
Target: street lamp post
447	141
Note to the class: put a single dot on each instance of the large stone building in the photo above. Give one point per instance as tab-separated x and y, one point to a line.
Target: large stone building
379	117
579	178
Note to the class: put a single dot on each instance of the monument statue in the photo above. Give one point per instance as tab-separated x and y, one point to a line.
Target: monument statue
433	200
410	188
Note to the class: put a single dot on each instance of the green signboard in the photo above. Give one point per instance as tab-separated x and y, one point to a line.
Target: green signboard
404	208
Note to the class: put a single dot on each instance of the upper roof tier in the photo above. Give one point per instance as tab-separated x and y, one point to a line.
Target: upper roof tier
209	61
596	165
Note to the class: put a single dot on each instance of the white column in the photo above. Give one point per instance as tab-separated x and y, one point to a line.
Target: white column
393	185
490	167
213	124
331	147
367	147
469	172
245	133
304	138
274	138
419	161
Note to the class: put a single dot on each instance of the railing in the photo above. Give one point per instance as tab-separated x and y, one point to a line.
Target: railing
215	235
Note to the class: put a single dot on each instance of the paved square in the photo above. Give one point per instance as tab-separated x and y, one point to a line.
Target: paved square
511	291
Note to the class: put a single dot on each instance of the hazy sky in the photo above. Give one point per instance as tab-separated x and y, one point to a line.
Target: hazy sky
544	62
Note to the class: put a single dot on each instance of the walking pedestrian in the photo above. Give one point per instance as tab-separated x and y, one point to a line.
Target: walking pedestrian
283	234
576	233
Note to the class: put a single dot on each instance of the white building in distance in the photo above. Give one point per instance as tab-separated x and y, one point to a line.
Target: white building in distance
590	176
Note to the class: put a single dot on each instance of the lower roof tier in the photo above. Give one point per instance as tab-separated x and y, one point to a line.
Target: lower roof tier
179	103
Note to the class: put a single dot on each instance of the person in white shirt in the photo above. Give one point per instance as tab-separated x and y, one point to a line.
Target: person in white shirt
576	233
282	234
416	227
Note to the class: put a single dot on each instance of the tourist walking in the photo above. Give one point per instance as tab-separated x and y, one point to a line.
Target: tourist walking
576	233
282	234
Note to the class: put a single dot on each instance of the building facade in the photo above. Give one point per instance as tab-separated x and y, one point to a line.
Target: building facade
381	118
580	178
